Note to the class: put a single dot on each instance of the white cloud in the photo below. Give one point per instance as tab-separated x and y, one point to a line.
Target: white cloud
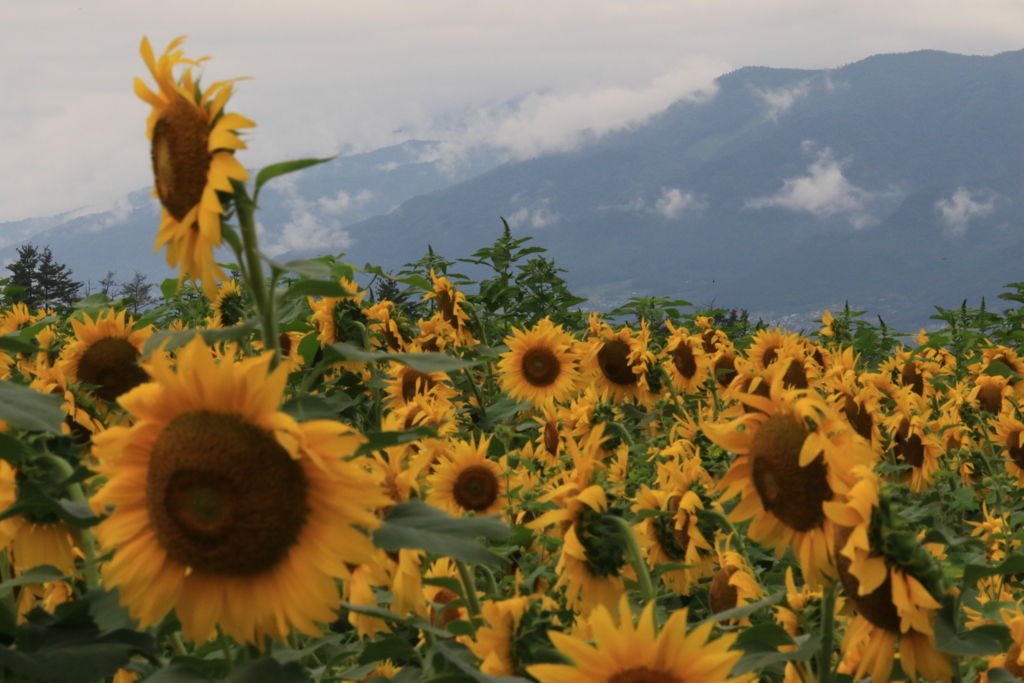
553	122
823	192
537	215
306	230
344	201
964	206
674	203
779	100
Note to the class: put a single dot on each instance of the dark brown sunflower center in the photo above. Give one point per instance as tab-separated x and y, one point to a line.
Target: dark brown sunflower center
223	495
110	365
643	674
792	493
859	417
476	488
685	361
541	366
911	377
795	376
877	606
443	597
1014	448
552	439
284	342
446	304
613	359
725	370
990	398
907	446
721	594
674	540
415	382
1010	664
181	159
771	354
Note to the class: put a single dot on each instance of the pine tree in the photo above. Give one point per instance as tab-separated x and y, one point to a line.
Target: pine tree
43	281
137	292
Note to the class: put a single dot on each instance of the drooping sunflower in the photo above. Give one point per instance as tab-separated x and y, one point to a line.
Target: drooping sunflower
893	584
405	384
1010	434
466	480
912	440
626	654
540	365
105	354
226	509
734	584
451	307
193	144
793	455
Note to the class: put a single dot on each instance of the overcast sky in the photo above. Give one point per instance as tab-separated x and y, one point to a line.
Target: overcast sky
354	75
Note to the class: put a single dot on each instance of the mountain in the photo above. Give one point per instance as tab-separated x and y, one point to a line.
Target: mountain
307	211
893	182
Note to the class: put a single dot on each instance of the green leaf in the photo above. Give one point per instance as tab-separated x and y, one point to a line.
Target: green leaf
178	673
32	500
279	169
759	659
422	362
1001	675
107	611
314	269
29	409
990	639
505	408
321	288
747	610
417	526
1014	564
266	670
12	342
169	287
11	449
456	653
92	302
412	280
378	441
998	368
41	574
392	618
315	407
391	647
171	340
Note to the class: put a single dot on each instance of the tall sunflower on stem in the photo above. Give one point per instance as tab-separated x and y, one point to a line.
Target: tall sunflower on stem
193	143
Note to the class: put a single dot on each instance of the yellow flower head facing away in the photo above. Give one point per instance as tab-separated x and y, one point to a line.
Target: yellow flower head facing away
192	146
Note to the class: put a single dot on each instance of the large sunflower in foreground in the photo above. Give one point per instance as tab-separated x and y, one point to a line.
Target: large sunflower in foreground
225	509
540	365
793	456
628	654
193	143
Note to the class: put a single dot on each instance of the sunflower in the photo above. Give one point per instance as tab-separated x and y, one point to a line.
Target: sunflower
451	307
619	361
228	306
734	584
794	455
766	345
687	362
912	440
540	365
1010	435
405	384
891	581
389	332
628	654
1013	659
32	542
105	354
193	143
226	509
989	391
466	480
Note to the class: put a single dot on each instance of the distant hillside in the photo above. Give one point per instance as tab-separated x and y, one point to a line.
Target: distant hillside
307	211
893	182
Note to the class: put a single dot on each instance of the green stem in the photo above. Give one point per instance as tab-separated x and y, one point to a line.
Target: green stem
92	570
252	271
828	608
177	644
225	649
476	392
492	586
469	589
643	576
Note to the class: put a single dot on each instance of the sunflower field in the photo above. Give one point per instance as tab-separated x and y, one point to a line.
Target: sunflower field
279	475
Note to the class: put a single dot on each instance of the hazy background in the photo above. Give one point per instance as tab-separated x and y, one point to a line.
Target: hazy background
355	75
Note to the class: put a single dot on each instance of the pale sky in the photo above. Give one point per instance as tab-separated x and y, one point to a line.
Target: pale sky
360	74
